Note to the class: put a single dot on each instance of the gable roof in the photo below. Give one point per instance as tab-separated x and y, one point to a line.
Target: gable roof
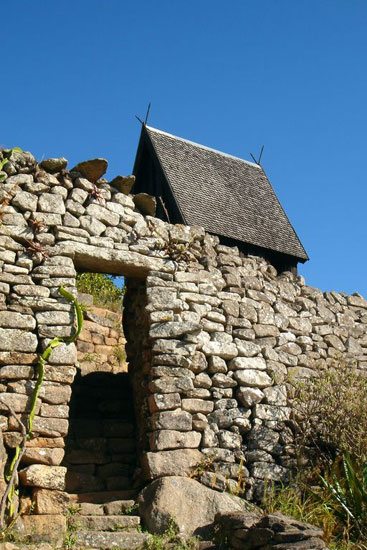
224	194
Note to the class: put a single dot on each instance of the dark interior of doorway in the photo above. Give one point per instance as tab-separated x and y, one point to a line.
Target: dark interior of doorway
100	447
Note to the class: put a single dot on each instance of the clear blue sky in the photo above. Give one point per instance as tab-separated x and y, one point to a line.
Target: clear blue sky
233	75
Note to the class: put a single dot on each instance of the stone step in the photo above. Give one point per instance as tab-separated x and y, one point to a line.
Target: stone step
114	508
106	540
117	507
107	523
104	497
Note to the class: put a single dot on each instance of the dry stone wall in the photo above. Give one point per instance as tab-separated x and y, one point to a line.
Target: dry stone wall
101	343
212	335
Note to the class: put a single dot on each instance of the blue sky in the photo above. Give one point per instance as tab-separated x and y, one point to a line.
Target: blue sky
232	75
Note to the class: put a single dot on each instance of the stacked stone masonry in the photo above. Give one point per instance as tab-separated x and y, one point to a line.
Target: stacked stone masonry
212	335
100	445
101	344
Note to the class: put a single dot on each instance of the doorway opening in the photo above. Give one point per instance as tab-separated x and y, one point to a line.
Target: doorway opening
100	449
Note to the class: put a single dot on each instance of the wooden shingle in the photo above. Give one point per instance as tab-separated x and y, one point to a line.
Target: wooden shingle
228	196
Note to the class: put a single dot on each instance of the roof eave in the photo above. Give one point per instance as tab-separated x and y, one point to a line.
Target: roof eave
305	258
301	259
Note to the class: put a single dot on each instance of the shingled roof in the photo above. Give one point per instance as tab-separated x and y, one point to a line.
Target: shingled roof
228	196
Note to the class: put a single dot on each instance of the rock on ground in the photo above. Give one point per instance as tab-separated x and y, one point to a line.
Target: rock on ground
186	502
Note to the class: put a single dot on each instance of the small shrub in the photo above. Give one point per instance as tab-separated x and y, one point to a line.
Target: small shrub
330	411
206	464
347	486
335	506
91	358
103	288
5	157
303	504
132	510
238	488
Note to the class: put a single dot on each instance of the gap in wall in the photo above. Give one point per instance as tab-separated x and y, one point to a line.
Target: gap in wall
100	451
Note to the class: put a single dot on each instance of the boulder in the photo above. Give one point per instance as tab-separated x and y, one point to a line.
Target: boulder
186	502
145	203
54	164
248	530
93	169
124	184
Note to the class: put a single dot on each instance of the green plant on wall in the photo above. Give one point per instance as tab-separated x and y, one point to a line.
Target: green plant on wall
71	537
7	501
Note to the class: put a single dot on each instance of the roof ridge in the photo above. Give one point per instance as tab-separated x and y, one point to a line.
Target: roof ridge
204	147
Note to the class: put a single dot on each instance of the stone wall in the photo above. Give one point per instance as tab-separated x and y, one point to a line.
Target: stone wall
100	450
101	343
224	353
212	335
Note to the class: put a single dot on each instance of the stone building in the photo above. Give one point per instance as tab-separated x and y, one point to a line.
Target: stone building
212	336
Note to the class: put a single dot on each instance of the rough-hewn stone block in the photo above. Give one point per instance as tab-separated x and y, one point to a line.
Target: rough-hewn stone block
252	378
171	439
46	477
171	463
17	340
172	420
